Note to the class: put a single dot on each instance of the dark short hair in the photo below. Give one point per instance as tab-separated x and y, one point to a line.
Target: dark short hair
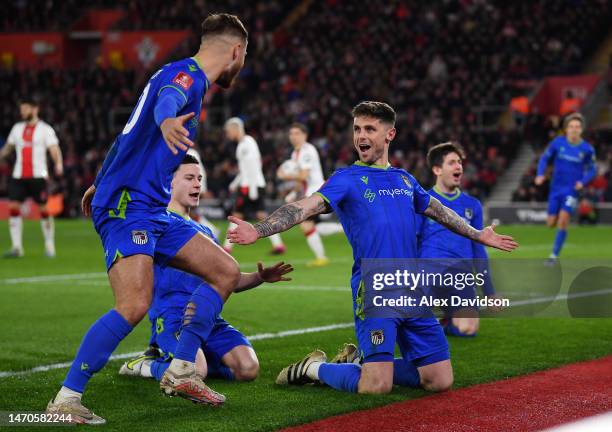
300	126
30	100
187	159
223	24
573	116
378	110
436	154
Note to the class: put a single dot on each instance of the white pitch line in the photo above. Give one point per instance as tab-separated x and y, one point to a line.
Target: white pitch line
559	297
285	286
255	337
53	278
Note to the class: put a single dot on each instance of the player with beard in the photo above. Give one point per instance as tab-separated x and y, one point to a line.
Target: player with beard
31	139
378	224
128	204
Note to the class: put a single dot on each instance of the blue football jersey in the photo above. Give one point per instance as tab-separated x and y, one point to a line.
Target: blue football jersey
142	165
377	207
437	241
571	163
173	288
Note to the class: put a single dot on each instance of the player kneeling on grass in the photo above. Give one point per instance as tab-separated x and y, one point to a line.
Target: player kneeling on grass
439	243
379	223
226	353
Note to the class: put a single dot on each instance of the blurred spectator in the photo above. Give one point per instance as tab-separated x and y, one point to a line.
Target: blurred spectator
436	63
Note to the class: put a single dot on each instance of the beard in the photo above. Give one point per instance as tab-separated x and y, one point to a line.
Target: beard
227	78
27	117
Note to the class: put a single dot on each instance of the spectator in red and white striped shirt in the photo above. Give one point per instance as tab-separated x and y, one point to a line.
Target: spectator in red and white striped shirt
31	139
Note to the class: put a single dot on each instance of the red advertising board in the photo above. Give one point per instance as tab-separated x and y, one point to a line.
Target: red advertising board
555	89
32	49
139	49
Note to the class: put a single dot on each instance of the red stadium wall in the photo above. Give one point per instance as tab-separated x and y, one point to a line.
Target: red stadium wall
32	49
555	89
139	49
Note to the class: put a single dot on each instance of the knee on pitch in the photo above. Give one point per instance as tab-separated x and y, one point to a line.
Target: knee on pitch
243	362
437	377
376	378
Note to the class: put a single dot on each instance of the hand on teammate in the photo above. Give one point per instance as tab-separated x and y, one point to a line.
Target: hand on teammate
243	234
86	201
539	180
489	237
275	273
578	186
175	134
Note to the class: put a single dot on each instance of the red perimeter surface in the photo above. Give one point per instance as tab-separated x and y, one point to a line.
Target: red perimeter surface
525	403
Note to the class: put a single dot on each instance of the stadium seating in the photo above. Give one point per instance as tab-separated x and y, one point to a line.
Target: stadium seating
437	64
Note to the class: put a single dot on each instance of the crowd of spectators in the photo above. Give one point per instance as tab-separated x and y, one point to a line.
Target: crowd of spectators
437	63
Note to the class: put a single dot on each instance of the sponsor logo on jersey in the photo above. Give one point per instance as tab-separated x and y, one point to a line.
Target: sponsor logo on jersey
84	366
369	195
140	237
183	80
394	192
377	337
192	68
364	179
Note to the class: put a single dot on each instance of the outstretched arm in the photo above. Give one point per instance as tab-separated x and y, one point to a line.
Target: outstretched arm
275	273
453	222
281	220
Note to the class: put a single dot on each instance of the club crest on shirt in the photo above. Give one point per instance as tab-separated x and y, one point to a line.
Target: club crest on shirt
407	181
183	80
377	337
140	237
468	213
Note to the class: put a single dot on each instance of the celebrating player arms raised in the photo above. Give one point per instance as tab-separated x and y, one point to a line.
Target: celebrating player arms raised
379	223
128	206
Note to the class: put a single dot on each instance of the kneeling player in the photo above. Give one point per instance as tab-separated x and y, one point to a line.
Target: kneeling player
226	353
437	241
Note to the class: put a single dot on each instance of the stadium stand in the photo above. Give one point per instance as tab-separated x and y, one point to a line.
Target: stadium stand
446	67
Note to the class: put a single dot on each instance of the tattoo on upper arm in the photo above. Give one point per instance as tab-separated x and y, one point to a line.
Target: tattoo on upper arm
451	220
281	220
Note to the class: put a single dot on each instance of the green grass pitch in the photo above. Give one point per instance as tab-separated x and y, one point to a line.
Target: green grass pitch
43	321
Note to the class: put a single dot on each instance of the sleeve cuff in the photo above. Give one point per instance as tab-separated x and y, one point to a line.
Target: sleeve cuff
322	196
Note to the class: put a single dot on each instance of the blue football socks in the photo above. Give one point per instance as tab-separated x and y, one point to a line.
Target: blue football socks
96	347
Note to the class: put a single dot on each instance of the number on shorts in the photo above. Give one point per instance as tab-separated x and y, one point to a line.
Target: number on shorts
570	201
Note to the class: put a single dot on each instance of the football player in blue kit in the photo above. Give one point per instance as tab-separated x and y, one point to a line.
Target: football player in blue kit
227	353
377	206
573	161
437	242
128	206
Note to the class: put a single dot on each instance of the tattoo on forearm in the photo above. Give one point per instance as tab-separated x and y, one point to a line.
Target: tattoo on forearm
451	220
281	220
322	207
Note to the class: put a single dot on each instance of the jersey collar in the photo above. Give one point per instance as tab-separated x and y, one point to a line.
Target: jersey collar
195	60
186	217
382	167
447	196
